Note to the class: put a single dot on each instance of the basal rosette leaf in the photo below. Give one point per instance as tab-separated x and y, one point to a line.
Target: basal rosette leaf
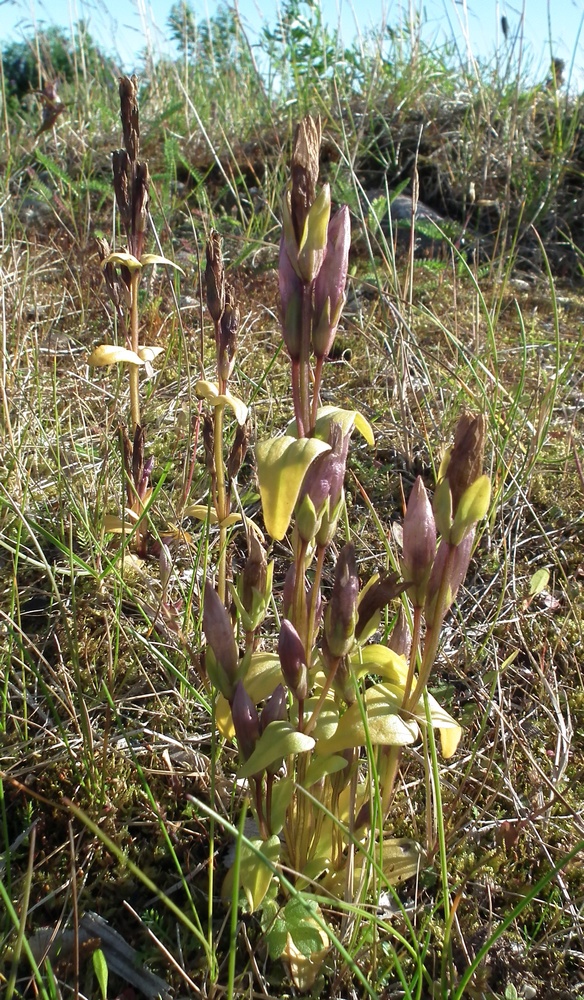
255	870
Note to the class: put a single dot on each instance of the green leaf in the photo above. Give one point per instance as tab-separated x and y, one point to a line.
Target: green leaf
538	582
282	463
385	724
450	731
347	419
377	659
101	971
154	258
321	767
123	259
276	937
109	354
328	719
255	875
279	739
210	392
282	793
472	507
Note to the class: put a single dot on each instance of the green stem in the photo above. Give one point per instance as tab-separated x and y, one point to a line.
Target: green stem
413	654
134	369
317	381
311	627
304	362
319	705
220	502
432	635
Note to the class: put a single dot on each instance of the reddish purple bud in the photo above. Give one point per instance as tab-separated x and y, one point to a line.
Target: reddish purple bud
122	190
291	298
223	661
293	660
466	458
400	640
215	276
245	721
341	614
128	91
453	560
419	542
329	287
140	201
275	708
344	679
229	327
377	597
324	480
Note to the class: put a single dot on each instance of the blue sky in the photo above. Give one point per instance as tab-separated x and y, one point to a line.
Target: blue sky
119	25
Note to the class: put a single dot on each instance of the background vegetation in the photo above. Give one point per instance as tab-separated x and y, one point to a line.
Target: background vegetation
117	798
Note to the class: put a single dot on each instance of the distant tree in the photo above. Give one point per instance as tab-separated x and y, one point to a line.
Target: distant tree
183	27
215	41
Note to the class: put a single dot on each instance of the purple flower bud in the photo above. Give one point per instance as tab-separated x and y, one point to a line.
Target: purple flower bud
344	680
324	479
341	614
245	721
419	542
275	708
223	662
215	276
291	298
400	640
329	287
453	559
293	660
466	458
227	343
377	597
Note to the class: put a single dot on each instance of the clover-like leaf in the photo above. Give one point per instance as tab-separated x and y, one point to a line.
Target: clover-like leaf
282	463
210	392
278	740
385	724
110	354
306	945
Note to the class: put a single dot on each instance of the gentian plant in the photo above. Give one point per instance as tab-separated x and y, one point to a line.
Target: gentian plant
122	271
322	715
